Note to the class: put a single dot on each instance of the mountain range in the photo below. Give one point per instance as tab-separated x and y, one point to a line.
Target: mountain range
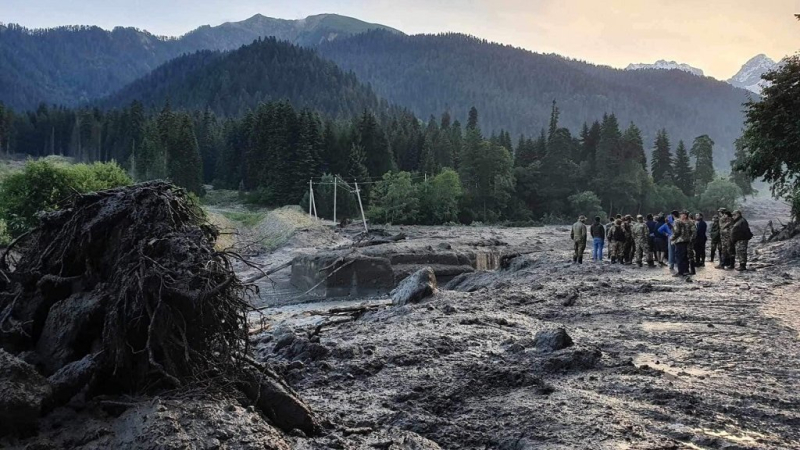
512	88
667	65
77	64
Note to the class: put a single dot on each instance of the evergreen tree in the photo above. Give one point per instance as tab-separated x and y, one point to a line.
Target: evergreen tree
472	121
633	146
553	121
372	139
184	164
703	151
661	164
682	171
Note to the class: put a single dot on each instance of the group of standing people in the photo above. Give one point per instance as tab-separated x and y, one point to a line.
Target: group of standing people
678	240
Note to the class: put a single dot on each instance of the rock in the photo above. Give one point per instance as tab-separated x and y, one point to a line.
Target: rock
22	394
70	379
552	340
72	325
420	285
279	403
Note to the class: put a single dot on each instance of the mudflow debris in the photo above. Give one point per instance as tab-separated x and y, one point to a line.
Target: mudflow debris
495	341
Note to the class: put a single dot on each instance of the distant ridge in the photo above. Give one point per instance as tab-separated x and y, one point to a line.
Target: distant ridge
71	65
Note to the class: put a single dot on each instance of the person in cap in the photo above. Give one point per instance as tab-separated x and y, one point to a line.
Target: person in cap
681	237
578	236
725	223
641	240
740	237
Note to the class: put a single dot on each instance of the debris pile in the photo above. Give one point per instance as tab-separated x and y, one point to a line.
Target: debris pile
122	292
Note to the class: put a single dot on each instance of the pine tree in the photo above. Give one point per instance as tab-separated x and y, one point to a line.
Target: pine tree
661	164
703	151
526	152
472	121
633	146
682	171
553	121
184	164
372	139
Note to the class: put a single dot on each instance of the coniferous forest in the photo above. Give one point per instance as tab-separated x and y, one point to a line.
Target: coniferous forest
268	117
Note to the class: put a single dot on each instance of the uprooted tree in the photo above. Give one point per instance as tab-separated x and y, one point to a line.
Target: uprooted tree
121	291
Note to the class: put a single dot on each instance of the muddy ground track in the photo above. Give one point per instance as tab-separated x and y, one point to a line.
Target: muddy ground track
657	362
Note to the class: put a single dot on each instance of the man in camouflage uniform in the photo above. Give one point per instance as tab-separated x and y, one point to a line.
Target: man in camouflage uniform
693	239
578	236
715	237
681	238
725	223
629	243
641	239
740	236
616	241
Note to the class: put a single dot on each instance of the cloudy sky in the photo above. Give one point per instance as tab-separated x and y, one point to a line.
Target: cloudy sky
717	36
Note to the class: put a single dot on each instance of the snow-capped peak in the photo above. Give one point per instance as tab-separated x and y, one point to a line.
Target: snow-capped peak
749	76
667	65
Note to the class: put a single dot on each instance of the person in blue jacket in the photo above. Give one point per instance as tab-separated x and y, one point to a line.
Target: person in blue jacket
670	246
666	232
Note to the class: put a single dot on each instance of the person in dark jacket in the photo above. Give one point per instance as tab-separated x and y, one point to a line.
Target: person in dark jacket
740	237
652	229
700	241
598	232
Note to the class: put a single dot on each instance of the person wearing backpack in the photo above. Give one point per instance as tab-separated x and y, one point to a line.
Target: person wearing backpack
740	237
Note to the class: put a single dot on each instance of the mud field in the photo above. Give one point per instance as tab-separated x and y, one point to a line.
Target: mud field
645	360
539	353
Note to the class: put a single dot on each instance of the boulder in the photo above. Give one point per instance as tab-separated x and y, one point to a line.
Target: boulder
22	393
71	379
421	284
71	327
552	340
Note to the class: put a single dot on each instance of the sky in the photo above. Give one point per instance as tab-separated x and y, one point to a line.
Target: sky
717	36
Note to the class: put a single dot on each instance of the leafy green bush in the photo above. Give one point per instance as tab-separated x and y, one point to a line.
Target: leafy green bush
720	193
586	203
395	199
43	185
439	198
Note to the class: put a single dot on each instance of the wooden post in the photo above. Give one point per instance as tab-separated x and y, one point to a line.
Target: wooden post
361	206
335	178
314	203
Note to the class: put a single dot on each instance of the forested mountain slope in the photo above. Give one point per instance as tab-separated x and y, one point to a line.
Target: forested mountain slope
231	83
514	88
74	64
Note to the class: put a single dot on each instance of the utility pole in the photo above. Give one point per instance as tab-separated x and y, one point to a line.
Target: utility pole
310	197
361	206
335	178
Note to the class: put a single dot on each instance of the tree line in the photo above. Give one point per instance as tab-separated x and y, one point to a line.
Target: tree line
272	152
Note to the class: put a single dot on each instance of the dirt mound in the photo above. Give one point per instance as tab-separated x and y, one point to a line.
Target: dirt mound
121	291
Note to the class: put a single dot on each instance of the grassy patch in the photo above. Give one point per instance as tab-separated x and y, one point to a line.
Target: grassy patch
220	197
246	218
